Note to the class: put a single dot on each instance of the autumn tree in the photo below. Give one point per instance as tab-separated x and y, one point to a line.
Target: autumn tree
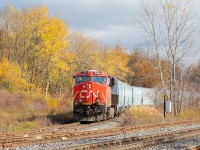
11	77
195	74
86	52
38	44
171	28
116	63
7	18
142	71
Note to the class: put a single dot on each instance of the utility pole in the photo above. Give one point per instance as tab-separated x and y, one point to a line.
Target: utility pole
164	105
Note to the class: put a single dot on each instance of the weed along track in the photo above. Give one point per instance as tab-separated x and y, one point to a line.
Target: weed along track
70	133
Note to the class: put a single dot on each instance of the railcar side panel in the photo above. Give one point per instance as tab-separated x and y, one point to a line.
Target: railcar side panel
115	93
148	96
121	94
128	95
137	95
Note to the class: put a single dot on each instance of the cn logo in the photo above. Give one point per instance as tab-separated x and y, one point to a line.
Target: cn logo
85	94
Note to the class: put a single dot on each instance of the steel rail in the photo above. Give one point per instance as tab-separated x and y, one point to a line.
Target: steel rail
62	136
139	142
72	127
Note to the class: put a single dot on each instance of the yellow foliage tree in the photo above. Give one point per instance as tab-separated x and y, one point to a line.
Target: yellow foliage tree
116	62
86	52
11	77
37	43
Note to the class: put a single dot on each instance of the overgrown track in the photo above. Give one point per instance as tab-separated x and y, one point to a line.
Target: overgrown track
140	142
69	132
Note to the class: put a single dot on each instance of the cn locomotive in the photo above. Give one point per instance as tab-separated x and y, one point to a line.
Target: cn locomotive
97	96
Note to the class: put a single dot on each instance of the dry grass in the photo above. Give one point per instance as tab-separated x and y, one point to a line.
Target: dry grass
138	115
141	115
19	113
190	114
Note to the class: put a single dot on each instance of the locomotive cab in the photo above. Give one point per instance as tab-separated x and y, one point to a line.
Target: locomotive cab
91	95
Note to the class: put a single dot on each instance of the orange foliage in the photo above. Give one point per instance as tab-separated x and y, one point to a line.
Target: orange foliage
143	73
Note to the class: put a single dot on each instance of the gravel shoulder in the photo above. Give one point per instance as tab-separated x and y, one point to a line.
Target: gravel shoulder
178	145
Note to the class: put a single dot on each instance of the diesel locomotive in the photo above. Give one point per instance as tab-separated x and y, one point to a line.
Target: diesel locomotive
97	96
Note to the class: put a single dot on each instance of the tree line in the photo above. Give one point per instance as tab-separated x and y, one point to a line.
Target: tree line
39	55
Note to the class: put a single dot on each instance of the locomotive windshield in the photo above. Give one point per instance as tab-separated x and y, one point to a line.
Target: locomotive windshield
80	79
99	79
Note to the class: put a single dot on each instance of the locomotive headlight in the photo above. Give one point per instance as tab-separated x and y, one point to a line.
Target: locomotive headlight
90	86
80	101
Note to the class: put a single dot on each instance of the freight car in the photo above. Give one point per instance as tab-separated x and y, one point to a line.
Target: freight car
97	96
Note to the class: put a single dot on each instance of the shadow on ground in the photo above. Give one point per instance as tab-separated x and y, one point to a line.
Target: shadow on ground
62	118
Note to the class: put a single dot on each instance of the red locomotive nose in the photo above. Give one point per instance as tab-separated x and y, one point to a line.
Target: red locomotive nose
83	94
91	95
91	88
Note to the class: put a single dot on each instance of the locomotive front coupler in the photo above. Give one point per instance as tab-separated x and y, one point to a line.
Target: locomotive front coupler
88	111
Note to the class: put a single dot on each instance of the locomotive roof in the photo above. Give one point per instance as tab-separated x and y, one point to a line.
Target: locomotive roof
91	72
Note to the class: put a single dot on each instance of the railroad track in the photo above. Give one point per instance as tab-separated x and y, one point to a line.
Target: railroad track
72	127
14	139
139	142
19	139
46	136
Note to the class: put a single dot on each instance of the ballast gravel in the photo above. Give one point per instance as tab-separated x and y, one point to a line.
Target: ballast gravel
108	125
57	145
178	145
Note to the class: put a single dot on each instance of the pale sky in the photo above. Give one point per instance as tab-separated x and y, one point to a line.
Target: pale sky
110	21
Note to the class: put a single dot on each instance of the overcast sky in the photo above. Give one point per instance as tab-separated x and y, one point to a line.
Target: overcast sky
110	21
